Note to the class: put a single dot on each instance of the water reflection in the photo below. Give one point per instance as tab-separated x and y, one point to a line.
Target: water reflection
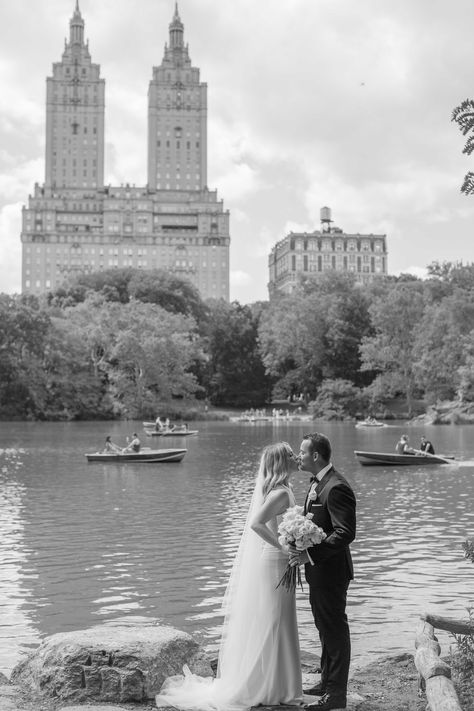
86	544
17	630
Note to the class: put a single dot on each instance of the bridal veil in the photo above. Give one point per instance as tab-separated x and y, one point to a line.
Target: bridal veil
256	651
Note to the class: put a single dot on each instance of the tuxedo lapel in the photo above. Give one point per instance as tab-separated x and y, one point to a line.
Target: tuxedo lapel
319	487
306	501
321	484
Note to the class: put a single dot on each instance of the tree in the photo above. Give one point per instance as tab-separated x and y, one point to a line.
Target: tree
396	318
463	115
24	328
314	334
143	352
291	344
172	293
337	398
154	286
446	277
112	284
442	345
235	371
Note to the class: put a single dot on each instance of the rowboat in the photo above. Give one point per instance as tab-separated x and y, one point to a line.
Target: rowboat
144	455
170	433
368	459
370	423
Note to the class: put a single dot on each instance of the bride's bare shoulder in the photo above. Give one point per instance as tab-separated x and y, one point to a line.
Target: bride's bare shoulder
280	494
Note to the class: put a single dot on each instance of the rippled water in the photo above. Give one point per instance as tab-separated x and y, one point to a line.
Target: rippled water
83	544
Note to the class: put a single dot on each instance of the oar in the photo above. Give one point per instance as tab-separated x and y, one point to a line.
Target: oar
436	456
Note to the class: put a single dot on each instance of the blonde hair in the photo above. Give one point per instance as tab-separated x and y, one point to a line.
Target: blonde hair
275	464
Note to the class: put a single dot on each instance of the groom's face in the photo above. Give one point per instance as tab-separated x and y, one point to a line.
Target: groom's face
307	458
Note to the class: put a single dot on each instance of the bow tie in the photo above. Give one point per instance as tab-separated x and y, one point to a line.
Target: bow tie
313	479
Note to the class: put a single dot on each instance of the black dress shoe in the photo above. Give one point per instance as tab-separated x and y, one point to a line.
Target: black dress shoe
328	702
317	690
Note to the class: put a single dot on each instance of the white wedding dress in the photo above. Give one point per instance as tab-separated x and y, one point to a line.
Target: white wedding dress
259	655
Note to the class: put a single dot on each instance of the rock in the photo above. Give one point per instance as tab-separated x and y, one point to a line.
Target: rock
10	696
109	664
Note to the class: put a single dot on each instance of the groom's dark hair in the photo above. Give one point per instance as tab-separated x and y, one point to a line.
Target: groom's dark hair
320	444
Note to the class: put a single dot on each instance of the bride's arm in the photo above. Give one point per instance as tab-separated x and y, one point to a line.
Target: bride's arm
276	503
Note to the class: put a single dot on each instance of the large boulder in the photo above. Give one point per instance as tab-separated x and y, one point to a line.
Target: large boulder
111	664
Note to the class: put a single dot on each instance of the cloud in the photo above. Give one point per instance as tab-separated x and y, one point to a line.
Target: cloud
239	278
10	249
315	103
419	272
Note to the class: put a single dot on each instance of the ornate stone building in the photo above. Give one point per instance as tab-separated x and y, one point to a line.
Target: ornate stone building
74	223
312	253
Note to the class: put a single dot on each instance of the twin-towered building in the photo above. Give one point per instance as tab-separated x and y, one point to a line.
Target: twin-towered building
74	223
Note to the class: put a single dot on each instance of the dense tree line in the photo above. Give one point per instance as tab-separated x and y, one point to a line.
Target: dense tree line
127	343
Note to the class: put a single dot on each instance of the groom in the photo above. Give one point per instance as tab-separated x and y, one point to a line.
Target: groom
328	567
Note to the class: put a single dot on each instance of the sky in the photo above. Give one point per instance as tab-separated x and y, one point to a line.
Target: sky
311	103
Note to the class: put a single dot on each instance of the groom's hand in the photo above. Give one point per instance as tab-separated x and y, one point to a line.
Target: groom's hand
298	557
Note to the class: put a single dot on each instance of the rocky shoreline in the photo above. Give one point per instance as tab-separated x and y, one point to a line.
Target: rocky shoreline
447	413
104	668
389	684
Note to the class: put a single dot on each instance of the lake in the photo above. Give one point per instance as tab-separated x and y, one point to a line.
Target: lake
85	544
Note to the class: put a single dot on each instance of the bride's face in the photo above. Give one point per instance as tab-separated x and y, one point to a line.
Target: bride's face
293	462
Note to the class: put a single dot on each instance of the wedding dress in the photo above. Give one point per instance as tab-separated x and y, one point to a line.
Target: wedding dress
259	656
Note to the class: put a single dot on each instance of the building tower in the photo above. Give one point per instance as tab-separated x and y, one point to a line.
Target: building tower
75	116
177	119
74	224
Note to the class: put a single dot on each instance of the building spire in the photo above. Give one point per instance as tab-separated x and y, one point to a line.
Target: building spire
176	30
76	27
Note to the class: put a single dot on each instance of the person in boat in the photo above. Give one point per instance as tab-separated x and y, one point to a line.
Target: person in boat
134	445
403	447
425	446
180	427
111	446
158	424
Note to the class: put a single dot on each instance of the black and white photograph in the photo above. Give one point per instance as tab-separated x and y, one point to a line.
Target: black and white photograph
236	355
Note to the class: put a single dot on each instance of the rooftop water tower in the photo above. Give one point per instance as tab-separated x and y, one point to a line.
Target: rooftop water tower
325	213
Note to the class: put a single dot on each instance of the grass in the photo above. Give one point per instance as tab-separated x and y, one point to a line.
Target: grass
462	663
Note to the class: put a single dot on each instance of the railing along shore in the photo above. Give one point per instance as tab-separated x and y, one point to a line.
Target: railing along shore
435	674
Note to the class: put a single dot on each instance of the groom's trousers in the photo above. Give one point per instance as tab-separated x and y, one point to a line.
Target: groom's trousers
328	604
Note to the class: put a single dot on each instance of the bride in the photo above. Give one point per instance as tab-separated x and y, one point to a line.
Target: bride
259	655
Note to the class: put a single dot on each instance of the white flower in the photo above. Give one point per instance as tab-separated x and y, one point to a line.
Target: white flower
299	530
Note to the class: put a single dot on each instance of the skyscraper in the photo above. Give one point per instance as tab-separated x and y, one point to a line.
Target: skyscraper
74	223
177	119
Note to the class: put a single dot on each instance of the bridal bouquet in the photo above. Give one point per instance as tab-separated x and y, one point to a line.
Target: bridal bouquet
299	531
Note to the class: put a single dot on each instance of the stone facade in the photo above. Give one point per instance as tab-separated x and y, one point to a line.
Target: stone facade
73	223
301	254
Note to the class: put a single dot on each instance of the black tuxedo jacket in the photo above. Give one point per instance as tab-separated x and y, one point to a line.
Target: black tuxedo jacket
334	510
